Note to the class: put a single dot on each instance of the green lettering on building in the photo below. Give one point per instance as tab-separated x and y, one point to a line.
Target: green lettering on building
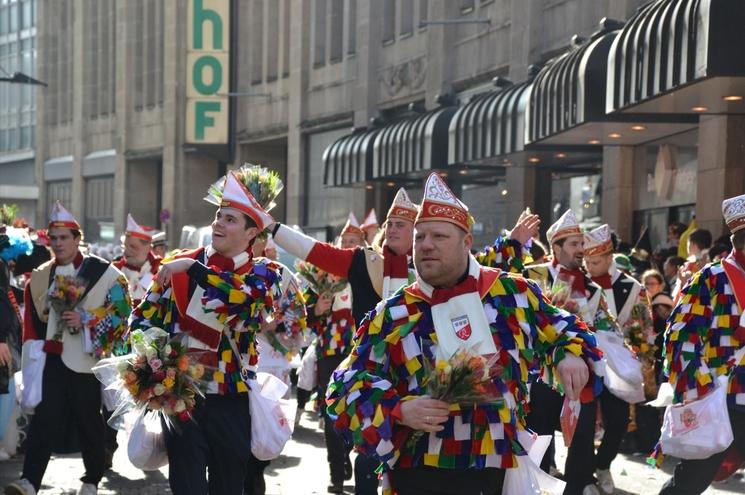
201	119
198	75
202	15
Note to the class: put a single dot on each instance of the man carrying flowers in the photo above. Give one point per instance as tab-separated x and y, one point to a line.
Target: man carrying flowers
218	296
78	307
379	394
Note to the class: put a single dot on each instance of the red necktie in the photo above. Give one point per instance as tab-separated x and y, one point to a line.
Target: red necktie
444	295
224	263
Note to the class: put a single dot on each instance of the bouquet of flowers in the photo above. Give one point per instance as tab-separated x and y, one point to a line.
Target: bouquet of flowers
159	375
319	281
290	311
640	337
64	294
466	378
560	292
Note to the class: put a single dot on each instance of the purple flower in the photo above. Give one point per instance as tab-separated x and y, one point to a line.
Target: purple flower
156	364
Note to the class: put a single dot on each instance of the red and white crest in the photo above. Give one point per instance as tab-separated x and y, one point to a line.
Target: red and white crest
462	327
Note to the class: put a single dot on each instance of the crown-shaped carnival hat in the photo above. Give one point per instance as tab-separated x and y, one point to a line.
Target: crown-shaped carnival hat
370	221
733	210
564	227
140	231
403	207
61	218
439	204
598	241
251	189
352	226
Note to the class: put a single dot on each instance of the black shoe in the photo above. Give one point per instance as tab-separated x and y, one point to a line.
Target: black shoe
348	473
336	488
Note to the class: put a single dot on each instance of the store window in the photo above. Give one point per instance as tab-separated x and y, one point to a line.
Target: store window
581	194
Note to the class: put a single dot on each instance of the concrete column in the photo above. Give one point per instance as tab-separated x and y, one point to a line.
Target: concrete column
521	187
78	123
721	174
42	132
368	51
122	107
618	189
526	24
298	83
173	120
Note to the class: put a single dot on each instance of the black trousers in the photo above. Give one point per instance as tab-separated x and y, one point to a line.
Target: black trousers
692	477
543	418
336	451
67	398
218	440
432	481
615	413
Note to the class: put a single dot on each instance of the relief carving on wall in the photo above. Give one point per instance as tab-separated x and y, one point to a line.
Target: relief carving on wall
406	75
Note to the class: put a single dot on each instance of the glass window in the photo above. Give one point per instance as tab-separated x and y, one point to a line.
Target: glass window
389	20
319	34
337	30
13	17
407	17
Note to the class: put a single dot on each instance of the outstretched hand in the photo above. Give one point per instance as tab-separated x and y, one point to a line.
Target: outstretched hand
526	227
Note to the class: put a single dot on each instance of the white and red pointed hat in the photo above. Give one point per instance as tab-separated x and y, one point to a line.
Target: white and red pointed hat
403	207
598	241
236	195
564	227
140	231
733	210
61	218
439	204
371	221
352	226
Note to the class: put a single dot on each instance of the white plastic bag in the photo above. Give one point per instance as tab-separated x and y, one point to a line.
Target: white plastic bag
698	429
33	359
307	379
146	446
623	371
528	478
272	418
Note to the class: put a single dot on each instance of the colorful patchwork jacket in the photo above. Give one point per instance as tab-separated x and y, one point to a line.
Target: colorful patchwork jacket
386	367
202	301
334	330
506	254
704	332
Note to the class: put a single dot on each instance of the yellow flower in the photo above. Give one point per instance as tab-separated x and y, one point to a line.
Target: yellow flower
169	382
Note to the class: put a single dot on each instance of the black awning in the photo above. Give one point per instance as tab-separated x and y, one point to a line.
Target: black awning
491	125
570	89
669	44
416	144
348	160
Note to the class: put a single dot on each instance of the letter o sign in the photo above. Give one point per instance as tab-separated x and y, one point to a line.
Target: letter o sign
198	73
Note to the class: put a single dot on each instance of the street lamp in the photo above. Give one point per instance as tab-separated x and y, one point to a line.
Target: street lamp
21	78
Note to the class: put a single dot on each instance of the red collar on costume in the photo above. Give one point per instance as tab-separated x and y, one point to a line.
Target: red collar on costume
223	263
605	281
578	276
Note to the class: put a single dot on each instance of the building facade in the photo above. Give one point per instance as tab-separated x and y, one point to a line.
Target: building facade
18	106
149	101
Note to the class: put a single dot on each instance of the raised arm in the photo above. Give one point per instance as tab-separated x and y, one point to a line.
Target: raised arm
334	260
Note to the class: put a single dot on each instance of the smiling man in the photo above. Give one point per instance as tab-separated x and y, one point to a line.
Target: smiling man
71	395
378	395
239	293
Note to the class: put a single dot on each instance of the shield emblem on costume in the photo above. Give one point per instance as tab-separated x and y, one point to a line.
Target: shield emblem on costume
462	327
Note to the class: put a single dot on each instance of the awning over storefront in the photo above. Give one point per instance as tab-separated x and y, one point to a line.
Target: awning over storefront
570	92
348	161
568	102
409	148
680	56
490	126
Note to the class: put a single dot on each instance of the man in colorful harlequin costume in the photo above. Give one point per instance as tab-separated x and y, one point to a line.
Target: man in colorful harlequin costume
331	319
219	296
71	394
372	276
705	338
379	395
628	304
138	264
572	289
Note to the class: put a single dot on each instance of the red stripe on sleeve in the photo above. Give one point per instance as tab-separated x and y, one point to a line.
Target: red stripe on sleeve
336	261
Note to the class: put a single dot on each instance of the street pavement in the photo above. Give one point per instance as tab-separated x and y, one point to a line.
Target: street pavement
302	470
